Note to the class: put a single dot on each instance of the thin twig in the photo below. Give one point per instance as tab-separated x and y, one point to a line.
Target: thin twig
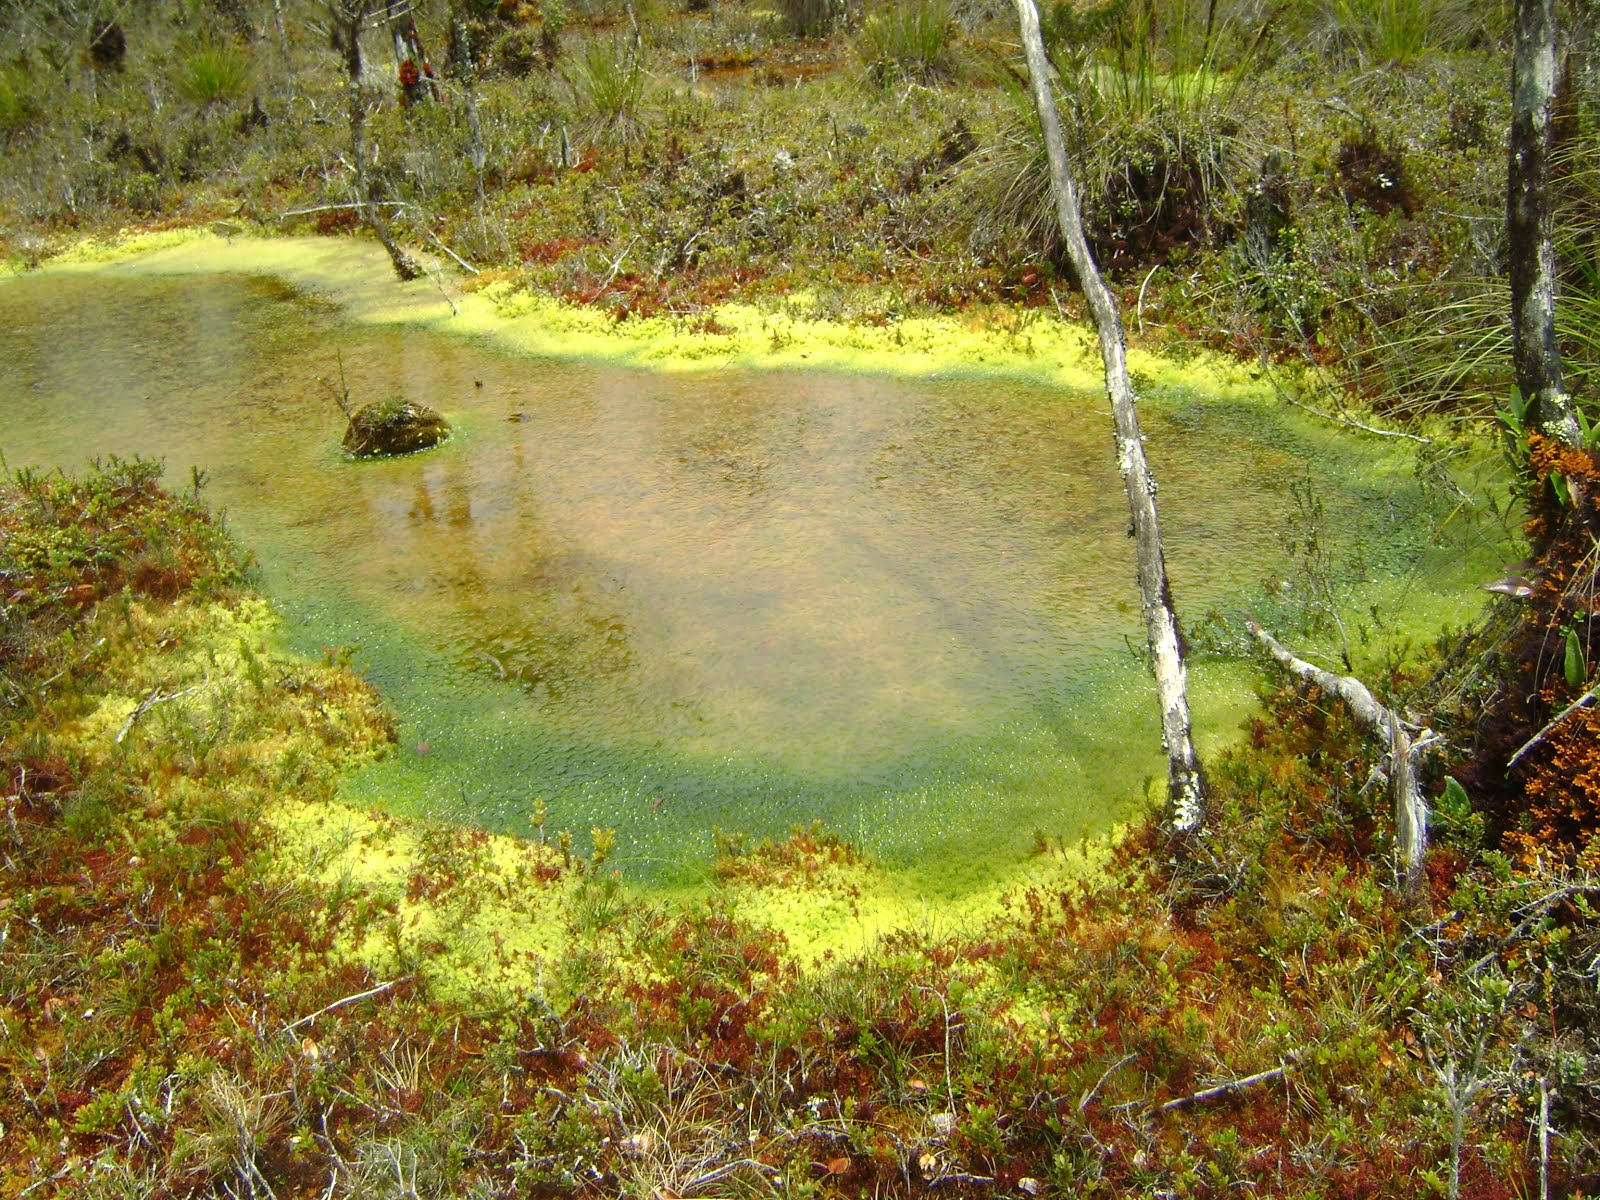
615	267
328	1008
1545	732
438	281
1091	1093
461	262
1227	1089
156	696
1349	422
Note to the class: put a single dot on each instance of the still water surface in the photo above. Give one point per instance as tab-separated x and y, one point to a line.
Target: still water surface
673	603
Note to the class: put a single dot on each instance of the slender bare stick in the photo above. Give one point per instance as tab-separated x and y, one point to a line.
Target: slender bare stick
340	1003
1545	732
1544	1140
1163	643
1410	809
1225	1089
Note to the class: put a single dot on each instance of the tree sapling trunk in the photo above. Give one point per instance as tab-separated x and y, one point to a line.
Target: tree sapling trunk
351	16
1532	260
1164	644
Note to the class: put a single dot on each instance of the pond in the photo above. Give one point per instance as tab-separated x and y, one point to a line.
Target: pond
675	603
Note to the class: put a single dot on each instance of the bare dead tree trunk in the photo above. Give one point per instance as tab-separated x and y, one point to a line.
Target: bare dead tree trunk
1164	644
466	70
417	80
352	15
1410	809
1535	354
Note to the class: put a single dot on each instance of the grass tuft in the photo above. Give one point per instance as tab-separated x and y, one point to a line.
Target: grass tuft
608	82
912	41
213	75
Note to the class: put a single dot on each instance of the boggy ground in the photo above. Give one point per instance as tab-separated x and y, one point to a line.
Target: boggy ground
196	998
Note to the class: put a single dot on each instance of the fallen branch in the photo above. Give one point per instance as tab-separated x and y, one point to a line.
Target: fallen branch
1546	731
1091	1093
961	1179
1225	1089
722	1172
156	696
1533	914
1410	809
303	212
340	1003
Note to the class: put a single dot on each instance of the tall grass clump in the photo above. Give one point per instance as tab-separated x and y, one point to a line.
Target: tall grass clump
1448	349
608	82
1162	119
1396	32
19	105
913	40
213	75
810	18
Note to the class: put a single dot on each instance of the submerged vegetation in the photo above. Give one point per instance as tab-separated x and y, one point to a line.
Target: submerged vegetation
215	982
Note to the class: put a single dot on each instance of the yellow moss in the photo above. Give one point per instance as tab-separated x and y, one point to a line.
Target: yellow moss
846	908
494	924
781	333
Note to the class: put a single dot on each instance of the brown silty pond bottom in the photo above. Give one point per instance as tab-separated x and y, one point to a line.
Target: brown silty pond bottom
737	600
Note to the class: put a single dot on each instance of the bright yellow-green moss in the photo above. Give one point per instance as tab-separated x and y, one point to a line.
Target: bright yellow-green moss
784	333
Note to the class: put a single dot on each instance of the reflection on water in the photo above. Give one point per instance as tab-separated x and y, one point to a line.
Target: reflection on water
669	603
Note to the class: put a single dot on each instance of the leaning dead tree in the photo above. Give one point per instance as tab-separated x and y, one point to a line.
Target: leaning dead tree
350	17
1403	754
1531	258
1164	645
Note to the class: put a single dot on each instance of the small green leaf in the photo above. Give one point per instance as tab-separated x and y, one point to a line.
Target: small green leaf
1454	800
1562	489
1576	668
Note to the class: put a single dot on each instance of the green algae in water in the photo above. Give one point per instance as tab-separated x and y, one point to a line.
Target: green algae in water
668	604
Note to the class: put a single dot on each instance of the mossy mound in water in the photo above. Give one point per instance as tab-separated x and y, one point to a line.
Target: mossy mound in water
394	428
